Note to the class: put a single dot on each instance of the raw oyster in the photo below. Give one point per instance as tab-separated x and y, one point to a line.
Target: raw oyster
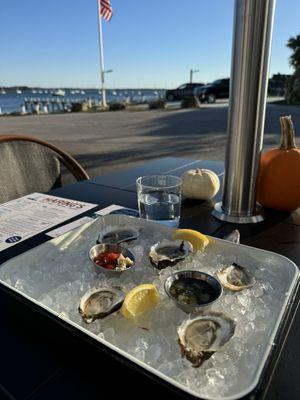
168	252
233	236
235	277
117	234
97	303
201	336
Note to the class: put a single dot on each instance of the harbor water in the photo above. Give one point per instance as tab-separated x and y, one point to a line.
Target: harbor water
11	101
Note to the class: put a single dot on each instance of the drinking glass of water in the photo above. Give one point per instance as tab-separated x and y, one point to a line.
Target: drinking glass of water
159	198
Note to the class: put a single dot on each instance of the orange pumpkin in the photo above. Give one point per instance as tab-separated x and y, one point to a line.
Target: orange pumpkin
279	172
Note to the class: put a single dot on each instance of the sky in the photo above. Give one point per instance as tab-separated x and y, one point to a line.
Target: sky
147	43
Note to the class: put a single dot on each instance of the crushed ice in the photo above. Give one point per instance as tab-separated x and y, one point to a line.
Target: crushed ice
59	275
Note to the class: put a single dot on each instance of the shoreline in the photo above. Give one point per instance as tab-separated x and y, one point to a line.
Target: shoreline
113	106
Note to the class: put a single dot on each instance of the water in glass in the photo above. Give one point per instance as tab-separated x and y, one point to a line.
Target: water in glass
160	206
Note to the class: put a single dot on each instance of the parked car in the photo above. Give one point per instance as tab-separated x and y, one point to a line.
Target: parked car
218	89
182	92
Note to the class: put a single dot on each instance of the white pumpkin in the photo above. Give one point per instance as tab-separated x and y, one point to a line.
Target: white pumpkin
202	184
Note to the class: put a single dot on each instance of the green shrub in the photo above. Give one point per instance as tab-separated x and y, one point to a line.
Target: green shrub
156	104
116	106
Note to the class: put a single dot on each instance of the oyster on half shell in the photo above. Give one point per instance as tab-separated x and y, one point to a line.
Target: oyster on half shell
168	252
97	303
117	234
201	336
233	236
235	277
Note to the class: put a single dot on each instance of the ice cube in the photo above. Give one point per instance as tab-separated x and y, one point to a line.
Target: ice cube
109	334
166	368
237	344
229	299
220	359
214	376
244	300
154	353
258	291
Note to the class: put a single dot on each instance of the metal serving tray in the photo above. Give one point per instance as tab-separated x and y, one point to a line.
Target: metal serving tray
56	274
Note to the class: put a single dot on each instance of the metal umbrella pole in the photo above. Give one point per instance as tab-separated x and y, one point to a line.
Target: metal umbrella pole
252	34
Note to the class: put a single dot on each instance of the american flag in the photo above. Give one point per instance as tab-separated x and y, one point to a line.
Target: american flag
105	9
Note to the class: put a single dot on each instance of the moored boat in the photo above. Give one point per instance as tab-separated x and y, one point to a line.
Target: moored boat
59	92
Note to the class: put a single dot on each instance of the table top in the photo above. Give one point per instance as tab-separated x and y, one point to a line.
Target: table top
45	358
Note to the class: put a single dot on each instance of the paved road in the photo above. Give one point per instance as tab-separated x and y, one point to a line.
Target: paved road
104	142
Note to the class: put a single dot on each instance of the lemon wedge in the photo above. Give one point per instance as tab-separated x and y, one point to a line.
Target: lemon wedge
197	239
140	299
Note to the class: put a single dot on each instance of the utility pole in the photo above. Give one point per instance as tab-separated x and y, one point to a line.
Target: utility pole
192	71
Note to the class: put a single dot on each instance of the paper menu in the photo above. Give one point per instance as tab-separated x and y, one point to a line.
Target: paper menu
29	215
115	209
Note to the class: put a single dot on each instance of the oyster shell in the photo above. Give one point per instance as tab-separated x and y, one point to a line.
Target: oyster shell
234	236
117	234
201	336
235	277
168	252
97	303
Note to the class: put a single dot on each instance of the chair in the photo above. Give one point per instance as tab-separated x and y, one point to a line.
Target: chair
28	165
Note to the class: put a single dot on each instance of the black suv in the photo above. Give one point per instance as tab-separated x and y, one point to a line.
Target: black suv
182	92
216	90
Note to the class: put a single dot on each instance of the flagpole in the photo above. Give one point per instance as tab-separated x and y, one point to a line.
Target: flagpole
101	55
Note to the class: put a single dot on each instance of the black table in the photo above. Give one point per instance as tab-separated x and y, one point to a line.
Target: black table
43	358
